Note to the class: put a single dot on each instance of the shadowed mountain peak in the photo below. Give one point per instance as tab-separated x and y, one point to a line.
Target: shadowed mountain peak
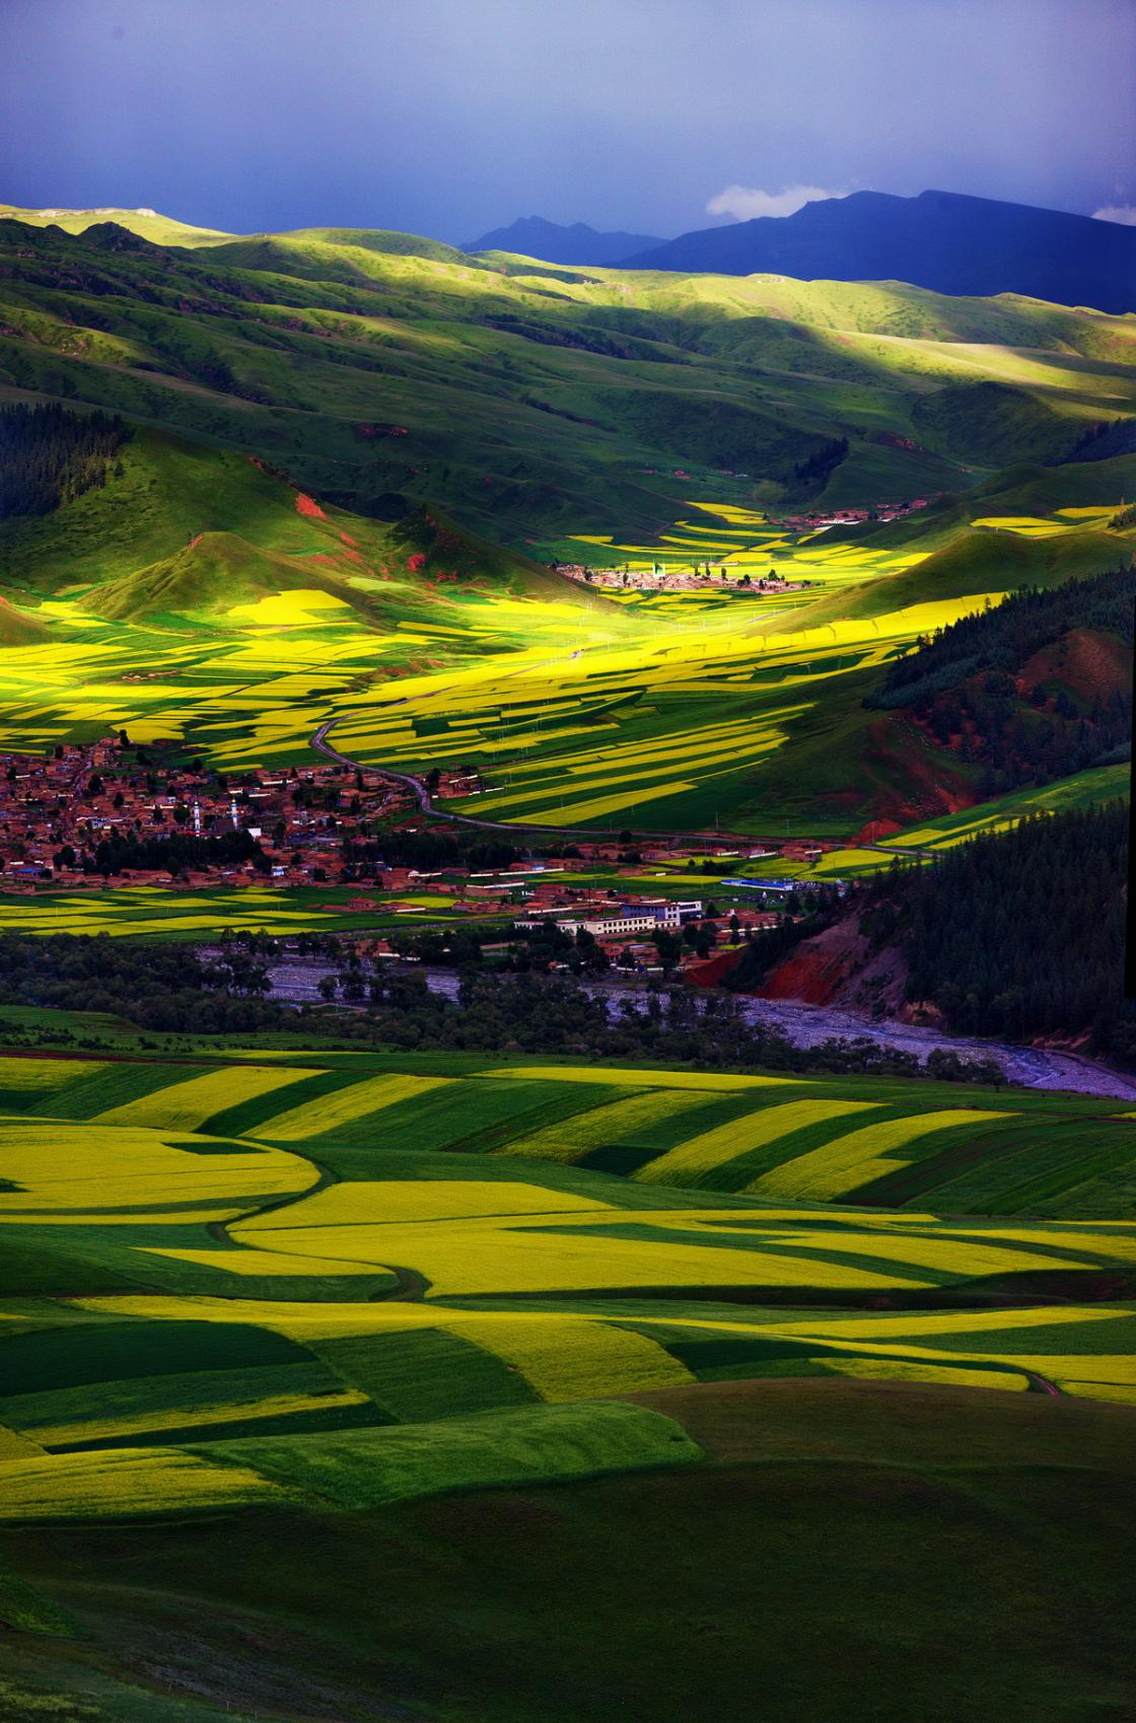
939	239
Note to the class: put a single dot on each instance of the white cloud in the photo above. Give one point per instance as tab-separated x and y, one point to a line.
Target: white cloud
744	202
1125	213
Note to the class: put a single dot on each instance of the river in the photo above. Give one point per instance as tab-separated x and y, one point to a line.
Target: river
297	982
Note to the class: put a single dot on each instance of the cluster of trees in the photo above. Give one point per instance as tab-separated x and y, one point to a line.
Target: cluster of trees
1103	441
161	987
127	852
49	456
961	683
173	989
1004	636
814	472
530	1014
435	848
1021	933
768	947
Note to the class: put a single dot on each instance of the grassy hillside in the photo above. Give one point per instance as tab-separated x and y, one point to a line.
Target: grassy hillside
270	611
146	223
418	1385
531	398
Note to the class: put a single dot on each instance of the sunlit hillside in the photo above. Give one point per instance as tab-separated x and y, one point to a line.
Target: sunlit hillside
405	1318
540	401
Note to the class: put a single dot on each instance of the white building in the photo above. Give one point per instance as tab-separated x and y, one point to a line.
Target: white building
641	918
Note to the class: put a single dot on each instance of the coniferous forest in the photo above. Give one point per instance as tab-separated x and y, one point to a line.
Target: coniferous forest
1031	690
1020	934
50	456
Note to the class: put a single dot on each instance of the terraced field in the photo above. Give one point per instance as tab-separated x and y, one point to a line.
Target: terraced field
261	613
643	710
150	912
295	1343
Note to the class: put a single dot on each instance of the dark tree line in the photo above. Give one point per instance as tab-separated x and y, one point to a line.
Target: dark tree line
129	852
49	456
1006	636
1021	933
815	471
156	986
170	988
1103	442
436	849
538	1014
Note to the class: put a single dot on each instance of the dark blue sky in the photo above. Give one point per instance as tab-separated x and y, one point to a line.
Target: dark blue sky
448	117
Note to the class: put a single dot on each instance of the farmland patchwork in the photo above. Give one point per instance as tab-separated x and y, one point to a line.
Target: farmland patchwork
200	1320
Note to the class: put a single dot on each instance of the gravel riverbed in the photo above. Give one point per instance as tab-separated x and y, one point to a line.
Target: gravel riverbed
297	982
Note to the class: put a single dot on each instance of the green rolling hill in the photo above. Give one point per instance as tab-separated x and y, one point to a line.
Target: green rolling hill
533	399
666	1349
297	410
315	1354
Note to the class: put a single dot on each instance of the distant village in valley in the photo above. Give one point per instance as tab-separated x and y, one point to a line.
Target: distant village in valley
661	578
696	576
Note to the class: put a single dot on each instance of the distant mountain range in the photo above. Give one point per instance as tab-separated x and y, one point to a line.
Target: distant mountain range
939	240
532	236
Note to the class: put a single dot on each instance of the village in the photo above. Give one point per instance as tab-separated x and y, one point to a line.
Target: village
698	577
662	576
89	818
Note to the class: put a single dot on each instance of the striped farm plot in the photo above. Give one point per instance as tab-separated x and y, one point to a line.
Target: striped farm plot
550	1243
660	1077
727	1143
126	1484
151	913
53	1170
859	1156
347	1106
565	1358
179	1299
29	1077
187	1105
549	1254
631	1117
770	1137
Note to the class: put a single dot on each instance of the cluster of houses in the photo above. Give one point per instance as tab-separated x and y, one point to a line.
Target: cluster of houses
820	519
59	813
664	577
55	811
626	926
